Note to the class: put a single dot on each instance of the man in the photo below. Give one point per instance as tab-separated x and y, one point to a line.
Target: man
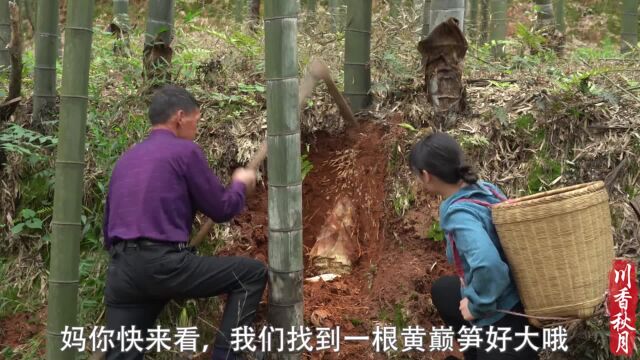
155	189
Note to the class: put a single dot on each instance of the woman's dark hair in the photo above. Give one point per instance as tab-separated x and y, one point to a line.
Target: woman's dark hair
440	155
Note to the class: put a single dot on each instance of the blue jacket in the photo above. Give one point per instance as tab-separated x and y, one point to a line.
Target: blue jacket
489	282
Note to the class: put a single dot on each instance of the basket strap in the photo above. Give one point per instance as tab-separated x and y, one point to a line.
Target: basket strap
496	194
536	317
456	255
457	259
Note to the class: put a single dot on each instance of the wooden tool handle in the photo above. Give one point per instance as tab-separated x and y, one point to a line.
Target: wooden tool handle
253	164
317	71
320	70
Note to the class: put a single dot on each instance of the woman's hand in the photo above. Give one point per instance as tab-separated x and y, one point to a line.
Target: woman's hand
464	309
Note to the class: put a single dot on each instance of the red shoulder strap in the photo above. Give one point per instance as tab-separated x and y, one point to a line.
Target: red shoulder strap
456	255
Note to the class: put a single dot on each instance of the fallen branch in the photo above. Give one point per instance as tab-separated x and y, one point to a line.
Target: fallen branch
613	175
611	127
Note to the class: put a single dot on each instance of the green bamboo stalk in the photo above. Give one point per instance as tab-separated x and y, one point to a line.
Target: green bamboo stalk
484	21
312	6
558	6
498	26
357	71
238	10
121	14
5	35
426	17
67	200
284	167
333	10
46	55
159	33
629	28
544	11
441	10
121	26
393	8
472	20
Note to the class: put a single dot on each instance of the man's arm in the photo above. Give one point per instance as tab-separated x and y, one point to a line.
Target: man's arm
208	194
489	274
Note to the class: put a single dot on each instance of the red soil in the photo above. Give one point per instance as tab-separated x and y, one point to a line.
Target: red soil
397	264
16	330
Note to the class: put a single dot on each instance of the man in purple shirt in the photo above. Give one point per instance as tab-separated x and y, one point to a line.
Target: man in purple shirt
155	190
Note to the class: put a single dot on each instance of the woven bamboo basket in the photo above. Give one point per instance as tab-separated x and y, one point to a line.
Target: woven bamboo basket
559	245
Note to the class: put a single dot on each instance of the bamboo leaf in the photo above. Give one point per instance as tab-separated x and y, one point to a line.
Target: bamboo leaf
408	127
17	229
34	223
27	213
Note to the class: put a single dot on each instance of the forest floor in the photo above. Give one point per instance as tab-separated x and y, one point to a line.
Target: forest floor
537	120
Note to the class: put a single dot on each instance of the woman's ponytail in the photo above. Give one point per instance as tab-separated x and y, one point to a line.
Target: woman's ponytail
440	155
467	174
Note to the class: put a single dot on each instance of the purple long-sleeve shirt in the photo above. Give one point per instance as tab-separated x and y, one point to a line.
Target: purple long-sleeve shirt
158	185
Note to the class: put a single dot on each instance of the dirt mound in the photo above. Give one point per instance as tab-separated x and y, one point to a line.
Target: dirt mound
391	280
18	329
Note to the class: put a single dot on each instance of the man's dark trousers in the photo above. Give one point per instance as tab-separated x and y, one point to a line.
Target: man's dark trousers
143	276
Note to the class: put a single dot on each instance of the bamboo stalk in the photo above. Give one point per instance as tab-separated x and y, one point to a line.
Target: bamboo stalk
426	17
393	8
472	21
284	167
558	7
67	201
441	10
498	27
484	21
158	37
357	69
120	26
544	11
238	10
46	54
5	34
629	28
312	6
336	9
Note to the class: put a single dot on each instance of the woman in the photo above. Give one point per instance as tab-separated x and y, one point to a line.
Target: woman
484	284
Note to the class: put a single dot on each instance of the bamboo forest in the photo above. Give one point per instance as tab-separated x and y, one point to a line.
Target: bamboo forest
319	179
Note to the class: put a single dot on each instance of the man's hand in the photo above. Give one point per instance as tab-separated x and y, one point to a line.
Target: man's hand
245	176
464	309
